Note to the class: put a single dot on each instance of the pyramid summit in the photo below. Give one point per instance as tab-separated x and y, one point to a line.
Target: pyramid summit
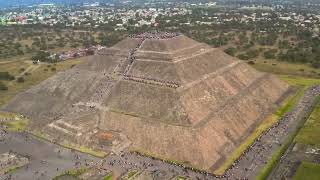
162	94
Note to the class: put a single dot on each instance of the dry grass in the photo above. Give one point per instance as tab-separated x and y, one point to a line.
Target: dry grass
309	134
308	171
40	73
281	67
13	67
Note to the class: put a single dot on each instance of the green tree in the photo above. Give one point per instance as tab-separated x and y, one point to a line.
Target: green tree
231	51
270	54
42	56
6	76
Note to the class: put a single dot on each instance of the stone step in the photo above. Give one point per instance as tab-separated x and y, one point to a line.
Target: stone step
69	127
61	134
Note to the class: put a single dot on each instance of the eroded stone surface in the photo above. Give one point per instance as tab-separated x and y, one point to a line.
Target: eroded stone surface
173	98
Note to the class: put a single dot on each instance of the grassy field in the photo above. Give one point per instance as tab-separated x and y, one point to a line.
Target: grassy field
305	83
310	134
266	170
307	171
13	67
281	67
36	74
10	169
108	177
180	178
15	122
26	57
71	173
131	175
300	81
17	125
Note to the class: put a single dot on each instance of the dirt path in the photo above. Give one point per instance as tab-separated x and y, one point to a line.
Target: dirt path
30	69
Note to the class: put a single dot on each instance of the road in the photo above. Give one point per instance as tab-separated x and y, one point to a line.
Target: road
44	157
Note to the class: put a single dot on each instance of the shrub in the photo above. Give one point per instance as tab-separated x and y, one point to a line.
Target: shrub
20	80
243	57
251	62
231	51
253	53
21	69
41	56
270	54
6	76
3	87
53	69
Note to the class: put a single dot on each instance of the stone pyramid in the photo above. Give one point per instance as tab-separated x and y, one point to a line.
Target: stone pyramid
161	94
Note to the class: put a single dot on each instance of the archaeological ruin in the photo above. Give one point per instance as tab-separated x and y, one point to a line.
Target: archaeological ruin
161	94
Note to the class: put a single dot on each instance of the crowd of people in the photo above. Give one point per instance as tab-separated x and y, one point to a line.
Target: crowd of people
153	81
105	86
132	58
257	152
185	169
135	161
155	35
123	68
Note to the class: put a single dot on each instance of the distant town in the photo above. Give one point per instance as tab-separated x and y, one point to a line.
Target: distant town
95	15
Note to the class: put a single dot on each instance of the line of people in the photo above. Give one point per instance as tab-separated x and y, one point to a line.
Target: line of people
258	148
155	35
151	82
185	168
132	58
148	80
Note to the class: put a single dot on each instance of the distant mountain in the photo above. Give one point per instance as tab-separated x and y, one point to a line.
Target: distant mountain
10	3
